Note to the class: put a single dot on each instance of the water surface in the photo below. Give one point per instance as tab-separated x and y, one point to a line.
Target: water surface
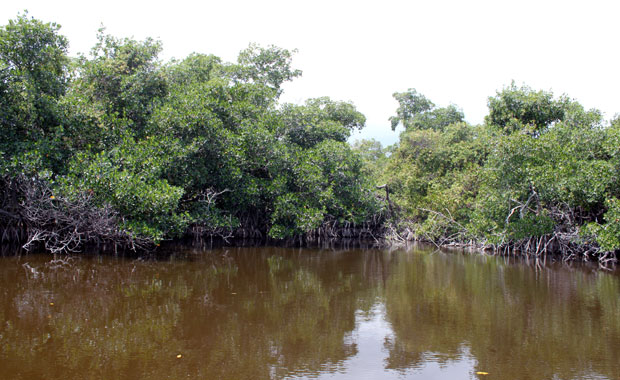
277	313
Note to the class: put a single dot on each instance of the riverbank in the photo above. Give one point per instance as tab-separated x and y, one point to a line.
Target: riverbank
333	236
564	248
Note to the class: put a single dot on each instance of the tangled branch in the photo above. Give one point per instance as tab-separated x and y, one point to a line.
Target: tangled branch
62	224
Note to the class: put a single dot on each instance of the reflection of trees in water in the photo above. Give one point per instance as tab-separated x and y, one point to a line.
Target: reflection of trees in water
270	312
238	313
516	322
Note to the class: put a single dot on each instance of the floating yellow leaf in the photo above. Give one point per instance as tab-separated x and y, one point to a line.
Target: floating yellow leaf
179	356
481	373
51	304
52	197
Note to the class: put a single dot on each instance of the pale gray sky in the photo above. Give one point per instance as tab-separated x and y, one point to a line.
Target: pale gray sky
453	51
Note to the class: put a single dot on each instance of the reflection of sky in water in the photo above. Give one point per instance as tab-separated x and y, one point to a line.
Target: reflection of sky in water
371	333
272	313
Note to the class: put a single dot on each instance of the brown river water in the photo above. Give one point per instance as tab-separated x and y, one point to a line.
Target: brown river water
280	313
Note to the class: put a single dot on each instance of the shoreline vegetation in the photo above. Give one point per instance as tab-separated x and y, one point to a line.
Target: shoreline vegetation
120	149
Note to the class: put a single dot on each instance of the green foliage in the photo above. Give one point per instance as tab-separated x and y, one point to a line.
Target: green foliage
196	68
293	215
415	111
607	234
123	82
325	182
128	177
374	156
191	142
201	142
33	77
269	66
318	120
325	178
514	108
562	173
539	165
433	173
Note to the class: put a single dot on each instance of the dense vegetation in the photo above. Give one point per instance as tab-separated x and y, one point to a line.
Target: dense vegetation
121	147
540	175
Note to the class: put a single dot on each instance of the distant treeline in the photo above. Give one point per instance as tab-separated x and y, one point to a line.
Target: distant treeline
119	147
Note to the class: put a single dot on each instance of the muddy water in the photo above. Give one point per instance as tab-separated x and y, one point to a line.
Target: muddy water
276	313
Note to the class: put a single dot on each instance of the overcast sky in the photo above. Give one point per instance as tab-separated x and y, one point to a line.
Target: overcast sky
452	51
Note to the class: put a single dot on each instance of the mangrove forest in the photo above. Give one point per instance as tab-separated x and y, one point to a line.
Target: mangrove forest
120	149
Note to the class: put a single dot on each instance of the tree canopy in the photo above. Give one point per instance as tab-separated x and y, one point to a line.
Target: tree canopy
119	146
194	144
541	172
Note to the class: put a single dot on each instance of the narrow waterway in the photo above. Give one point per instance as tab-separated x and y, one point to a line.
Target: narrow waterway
279	313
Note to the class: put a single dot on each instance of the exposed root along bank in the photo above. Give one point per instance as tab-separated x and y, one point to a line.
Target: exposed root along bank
35	218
